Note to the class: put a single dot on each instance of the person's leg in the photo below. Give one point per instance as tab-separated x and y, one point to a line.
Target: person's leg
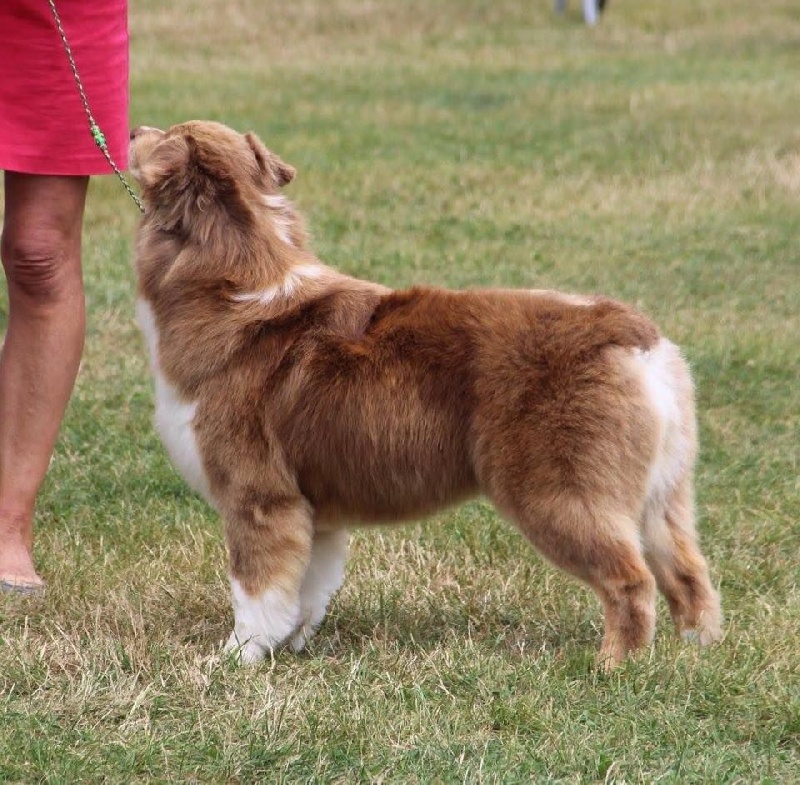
41	255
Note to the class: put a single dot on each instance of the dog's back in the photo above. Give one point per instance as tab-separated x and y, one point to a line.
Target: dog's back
366	420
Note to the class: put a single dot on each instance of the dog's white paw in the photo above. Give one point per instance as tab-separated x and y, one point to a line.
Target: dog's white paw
702	636
709	628
305	632
299	640
246	652
262	622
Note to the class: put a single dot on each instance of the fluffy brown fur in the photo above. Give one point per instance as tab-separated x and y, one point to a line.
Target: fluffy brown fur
299	400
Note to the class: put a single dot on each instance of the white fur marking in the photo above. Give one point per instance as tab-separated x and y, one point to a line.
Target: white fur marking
261	623
323	577
147	324
673	451
277	203
174	422
659	381
174	416
285	289
564	297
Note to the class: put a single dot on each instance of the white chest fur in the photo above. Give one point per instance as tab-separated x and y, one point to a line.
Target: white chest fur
174	416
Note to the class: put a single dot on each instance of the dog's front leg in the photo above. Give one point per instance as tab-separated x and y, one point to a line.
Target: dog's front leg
269	545
324	576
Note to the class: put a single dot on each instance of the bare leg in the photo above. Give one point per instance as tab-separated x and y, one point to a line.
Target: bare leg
41	254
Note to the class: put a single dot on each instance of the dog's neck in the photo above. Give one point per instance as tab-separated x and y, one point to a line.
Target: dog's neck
222	288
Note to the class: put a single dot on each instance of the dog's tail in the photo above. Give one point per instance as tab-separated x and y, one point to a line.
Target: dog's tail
603	322
619	324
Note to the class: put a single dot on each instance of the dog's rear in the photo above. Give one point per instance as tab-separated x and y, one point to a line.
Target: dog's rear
595	464
635	553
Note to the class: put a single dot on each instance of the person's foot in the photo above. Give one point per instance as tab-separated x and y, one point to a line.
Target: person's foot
17	573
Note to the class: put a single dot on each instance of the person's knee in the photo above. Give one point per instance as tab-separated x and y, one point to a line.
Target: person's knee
44	266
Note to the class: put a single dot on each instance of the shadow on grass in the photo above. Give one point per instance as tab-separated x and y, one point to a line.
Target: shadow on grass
426	629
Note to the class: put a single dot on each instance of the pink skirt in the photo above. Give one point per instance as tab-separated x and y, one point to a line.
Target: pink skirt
43	124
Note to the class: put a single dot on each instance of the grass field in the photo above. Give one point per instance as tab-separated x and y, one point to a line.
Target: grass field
459	142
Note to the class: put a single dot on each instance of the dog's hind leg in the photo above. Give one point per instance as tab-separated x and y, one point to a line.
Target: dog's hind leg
680	569
323	577
269	543
667	520
602	549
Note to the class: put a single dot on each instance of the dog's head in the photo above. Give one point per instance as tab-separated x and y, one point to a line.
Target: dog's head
199	167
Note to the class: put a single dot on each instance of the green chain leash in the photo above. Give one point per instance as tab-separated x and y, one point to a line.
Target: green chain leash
94	128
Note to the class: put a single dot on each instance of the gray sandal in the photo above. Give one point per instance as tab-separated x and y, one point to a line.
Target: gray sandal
23	589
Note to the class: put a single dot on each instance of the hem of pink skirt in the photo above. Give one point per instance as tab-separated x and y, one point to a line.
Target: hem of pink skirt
78	167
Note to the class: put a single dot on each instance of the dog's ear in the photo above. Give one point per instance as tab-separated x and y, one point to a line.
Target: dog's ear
169	156
269	165
284	173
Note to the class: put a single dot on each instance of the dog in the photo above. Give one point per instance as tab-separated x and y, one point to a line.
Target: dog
299	400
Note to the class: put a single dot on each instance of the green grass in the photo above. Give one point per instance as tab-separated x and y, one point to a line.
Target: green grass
458	142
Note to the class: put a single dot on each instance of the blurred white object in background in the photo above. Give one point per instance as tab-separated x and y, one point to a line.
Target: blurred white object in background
591	9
